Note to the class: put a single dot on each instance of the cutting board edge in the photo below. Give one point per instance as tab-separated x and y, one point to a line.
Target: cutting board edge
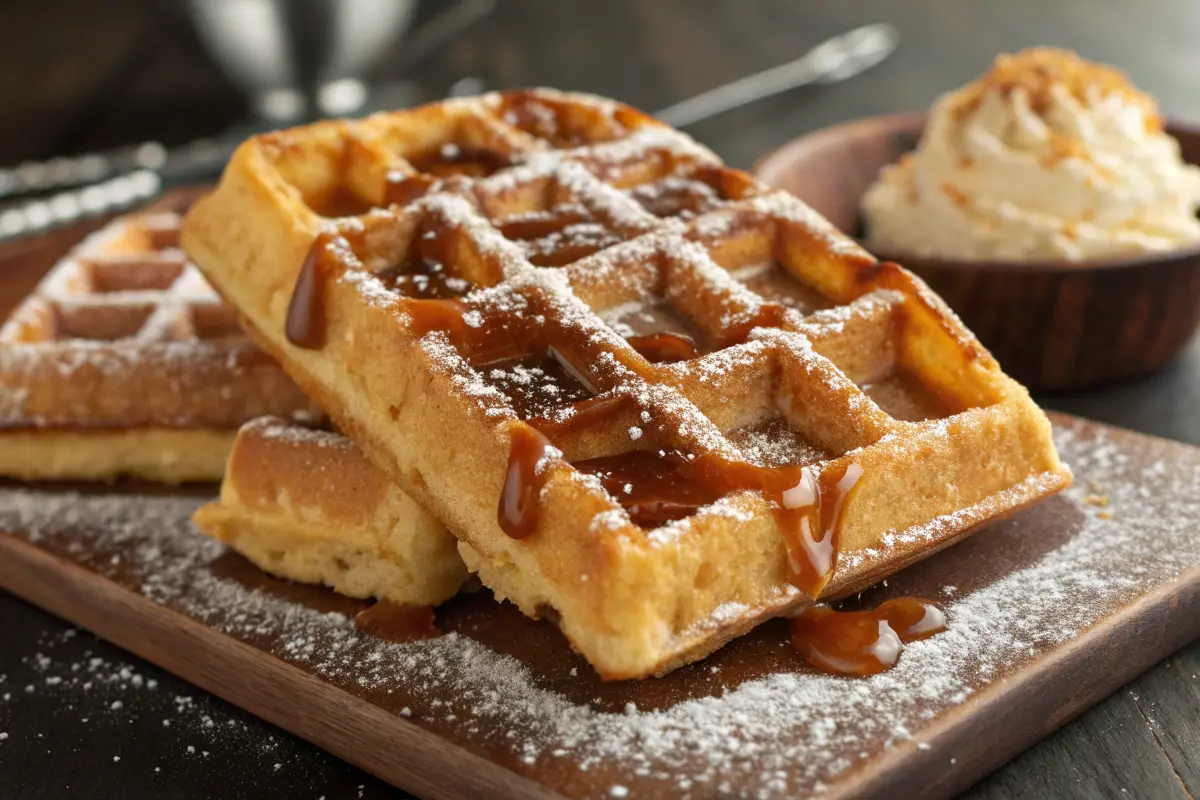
906	770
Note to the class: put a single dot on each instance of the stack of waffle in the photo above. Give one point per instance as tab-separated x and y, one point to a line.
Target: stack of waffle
124	361
650	398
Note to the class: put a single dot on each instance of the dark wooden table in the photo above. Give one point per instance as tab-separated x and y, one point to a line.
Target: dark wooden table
76	74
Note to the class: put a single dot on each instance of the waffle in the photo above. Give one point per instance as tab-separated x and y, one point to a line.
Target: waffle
308	506
124	361
656	401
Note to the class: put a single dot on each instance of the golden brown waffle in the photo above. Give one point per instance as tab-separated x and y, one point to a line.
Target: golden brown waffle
123	360
307	505
822	401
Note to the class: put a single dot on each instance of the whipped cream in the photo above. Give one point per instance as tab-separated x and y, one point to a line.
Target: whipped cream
1046	156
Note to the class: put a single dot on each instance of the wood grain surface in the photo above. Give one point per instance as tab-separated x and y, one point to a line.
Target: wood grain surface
79	75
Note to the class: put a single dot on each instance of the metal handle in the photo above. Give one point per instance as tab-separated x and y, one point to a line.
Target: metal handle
64	208
42	176
833	60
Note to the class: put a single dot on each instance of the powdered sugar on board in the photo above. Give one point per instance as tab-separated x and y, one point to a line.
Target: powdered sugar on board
1130	525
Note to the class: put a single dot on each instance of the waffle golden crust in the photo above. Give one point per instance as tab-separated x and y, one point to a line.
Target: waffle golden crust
456	282
307	505
124	361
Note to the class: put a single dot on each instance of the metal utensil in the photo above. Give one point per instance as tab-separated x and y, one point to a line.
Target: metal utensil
336	96
833	60
153	167
283	52
33	177
105	197
142	178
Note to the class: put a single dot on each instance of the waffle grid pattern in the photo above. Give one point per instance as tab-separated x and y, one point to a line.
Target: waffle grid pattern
557	223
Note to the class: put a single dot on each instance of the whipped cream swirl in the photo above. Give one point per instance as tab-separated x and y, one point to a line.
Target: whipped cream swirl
1046	157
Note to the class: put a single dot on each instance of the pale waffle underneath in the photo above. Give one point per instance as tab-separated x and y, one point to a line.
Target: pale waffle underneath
124	361
632	601
307	505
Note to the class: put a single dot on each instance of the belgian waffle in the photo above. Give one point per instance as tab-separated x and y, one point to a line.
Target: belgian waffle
307	505
651	397
123	360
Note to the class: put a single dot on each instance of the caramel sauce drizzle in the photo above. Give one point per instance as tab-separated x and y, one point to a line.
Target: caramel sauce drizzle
450	159
305	324
401	188
397	622
424	277
445	315
679	197
664	347
527	474
863	643
654	488
539	224
809	505
529	393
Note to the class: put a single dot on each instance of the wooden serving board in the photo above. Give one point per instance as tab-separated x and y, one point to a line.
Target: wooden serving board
1049	612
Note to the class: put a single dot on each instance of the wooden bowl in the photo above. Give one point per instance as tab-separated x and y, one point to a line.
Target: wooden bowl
1051	324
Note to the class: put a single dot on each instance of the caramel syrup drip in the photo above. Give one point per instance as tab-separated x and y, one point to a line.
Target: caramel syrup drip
656	487
536	385
527	474
592	413
559	236
450	159
400	188
863	643
424	277
496	337
653	487
397	622
808	505
305	324
812	529
445	315
664	347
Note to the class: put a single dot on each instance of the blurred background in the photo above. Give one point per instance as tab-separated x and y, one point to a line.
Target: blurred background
78	75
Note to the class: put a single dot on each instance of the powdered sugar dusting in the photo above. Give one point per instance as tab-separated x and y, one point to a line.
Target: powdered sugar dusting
124	315
786	206
777	735
292	434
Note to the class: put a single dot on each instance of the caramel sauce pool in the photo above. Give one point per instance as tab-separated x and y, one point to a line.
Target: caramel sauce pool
862	643
664	347
397	622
